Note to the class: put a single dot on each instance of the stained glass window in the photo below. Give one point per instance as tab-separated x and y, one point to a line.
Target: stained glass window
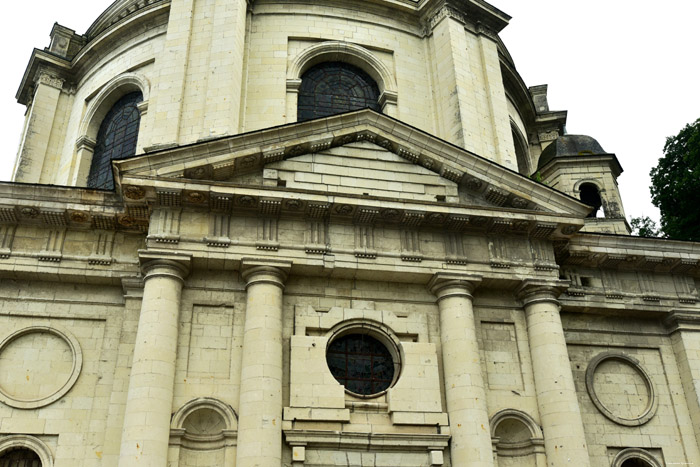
335	87
361	363
116	139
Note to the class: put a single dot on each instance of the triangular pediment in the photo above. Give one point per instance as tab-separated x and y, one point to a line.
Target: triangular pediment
382	156
363	168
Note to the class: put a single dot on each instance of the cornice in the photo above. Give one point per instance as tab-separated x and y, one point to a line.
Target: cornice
220	159
41	63
631	253
116	12
485	17
610	160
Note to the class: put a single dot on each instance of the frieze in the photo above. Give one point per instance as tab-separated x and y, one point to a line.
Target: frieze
272	155
496	196
366	216
270	207
134	192
221	202
51	80
412	218
445	11
170	198
196	197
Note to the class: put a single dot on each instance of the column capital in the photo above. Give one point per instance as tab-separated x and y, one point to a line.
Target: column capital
269	271
453	284
539	291
164	264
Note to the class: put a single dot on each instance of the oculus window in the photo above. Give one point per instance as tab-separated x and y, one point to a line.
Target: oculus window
335	87
116	139
361	363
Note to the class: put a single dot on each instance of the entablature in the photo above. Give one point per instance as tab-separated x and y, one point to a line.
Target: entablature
223	158
621	252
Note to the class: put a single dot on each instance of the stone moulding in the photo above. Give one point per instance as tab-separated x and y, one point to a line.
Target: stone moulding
71	341
652	404
316	439
634	453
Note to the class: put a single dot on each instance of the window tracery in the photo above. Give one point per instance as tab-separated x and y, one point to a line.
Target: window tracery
116	139
361	363
331	88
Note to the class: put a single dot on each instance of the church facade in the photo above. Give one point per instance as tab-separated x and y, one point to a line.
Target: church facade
330	233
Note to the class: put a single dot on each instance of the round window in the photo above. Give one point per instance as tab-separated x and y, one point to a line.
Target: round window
361	363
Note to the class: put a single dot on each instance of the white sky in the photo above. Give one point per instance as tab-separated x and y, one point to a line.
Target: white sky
627	72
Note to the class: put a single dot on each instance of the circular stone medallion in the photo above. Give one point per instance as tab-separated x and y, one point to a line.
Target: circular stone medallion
621	389
38	366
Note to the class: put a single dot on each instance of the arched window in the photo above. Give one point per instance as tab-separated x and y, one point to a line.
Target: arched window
116	139
331	88
591	196
636	462
20	457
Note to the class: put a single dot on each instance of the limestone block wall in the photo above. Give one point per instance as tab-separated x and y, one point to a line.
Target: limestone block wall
629	388
278	35
66	330
211	68
639	394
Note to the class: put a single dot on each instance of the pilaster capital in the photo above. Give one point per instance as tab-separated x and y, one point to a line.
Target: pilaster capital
683	320
293	85
85	142
50	80
265	271
533	291
143	107
453	284
164	264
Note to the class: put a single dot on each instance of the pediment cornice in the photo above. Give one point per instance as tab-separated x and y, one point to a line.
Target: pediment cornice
219	160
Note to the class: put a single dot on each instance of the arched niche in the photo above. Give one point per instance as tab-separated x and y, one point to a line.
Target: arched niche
97	109
517	439
338	51
8	444
203	433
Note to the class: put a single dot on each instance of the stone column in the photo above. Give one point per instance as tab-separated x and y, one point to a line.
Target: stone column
564	438
260	407
685	336
464	383
149	402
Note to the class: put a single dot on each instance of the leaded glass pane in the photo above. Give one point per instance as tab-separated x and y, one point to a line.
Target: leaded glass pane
335	87
116	139
361	363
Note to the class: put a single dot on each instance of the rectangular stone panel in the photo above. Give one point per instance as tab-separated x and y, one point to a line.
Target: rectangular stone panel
503	366
210	342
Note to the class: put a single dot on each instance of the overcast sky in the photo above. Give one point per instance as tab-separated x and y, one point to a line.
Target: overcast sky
627	72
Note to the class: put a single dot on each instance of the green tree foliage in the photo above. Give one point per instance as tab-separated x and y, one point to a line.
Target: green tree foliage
644	227
675	183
